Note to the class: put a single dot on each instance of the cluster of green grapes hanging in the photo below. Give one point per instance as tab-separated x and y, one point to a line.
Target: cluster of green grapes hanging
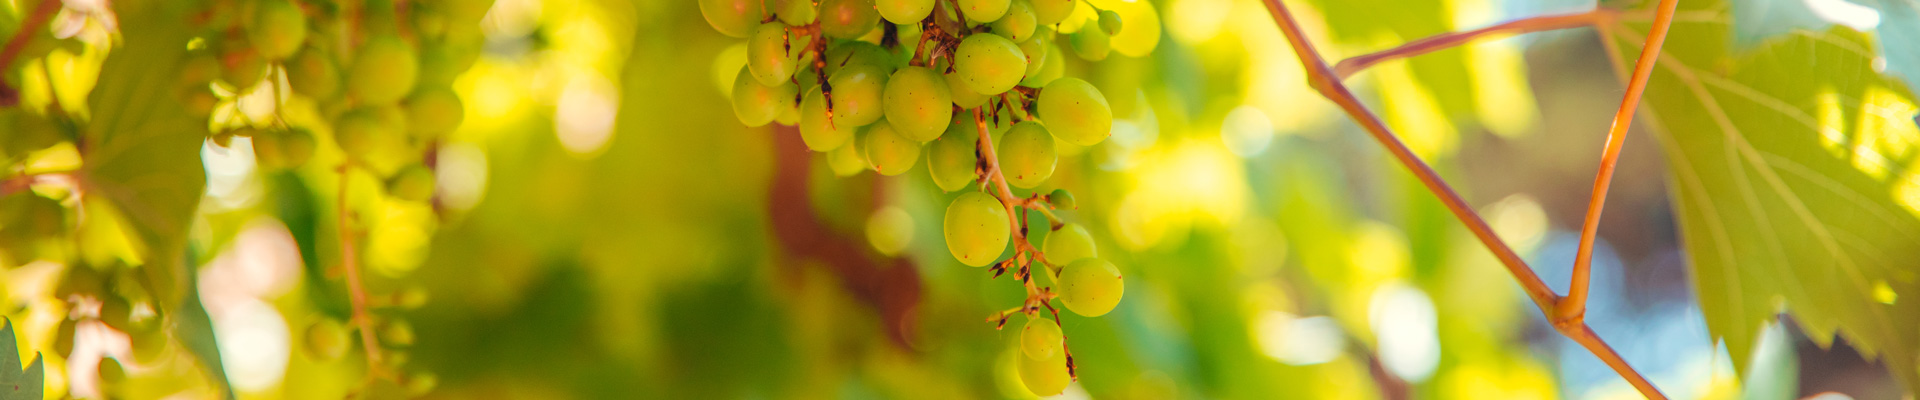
880	84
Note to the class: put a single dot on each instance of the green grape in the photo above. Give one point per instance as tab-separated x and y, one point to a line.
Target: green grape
421	383
242	67
1049	12
848	160
984	11
1036	49
149	347
887	151
1052	68
1061	198
1045	377
977	229
789	113
918	103
1075	112
857	92
798	12
1040	339
312	74
1109	22
820	133
413	183
989	64
770	55
1027	155
848	19
115	311
1018	24
890	230
383	72
296	147
277	29
199	102
63	339
111	372
327	340
734	18
433	111
444	60
1091	44
200	68
1068	244
852	54
267	152
905	12
963	95
909	35
1091	286
396	332
757	104
428	21
375	137
951	158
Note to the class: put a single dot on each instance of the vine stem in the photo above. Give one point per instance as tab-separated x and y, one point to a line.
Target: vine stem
1024	254
356	291
1327	82
35	22
1346	68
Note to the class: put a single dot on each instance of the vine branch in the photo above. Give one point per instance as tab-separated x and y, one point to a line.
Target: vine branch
1346	68
356	291
1326	81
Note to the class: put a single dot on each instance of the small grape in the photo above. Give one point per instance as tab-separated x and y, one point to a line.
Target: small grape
115	311
918	103
1036	49
770	55
1049	12
1027	155
314	75
151	346
1109	22
327	340
887	151
111	372
1018	24
421	383
1061	198
989	64
242	67
1091	286
396	332
1068	244
375	137
890	230
848	19
734	18
848	160
853	54
444	60
984	11
1045	377
951	158
905	12
963	95
296	147
1091	44
819	133
199	69
384	71
976	228
789	114
434	111
1040	339
1054	66
277	29
757	104
1075	112
267	150
413	183
798	12
857	93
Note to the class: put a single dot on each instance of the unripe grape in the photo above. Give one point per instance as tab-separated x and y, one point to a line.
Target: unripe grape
963	95
296	147
314	75
267	150
111	372
1109	22
199	69
1091	43
198	101
1053	67
890	230
918	103
1027	155
375	137
977	229
798	12
1049	12
857	93
433	111
421	383
887	151
848	19
848	160
734	18
396	332
150	346
855	53
1091	286
327	340
1035	48
1040	339
413	183
984	11
1068	244
789	114
770	55
63	338
951	158
757	104
277	29
989	64
820	133
1062	198
1045	377
905	12
242	67
442	61
383	72
1075	112
115	311
1018	24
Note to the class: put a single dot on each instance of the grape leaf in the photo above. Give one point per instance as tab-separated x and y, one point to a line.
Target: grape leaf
1790	178
16	384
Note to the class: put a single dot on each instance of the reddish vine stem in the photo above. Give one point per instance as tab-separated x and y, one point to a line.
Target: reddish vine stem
356	291
1346	68
1575	306
35	22
1324	80
1024	254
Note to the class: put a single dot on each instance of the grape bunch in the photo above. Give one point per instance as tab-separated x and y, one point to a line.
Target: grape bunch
977	89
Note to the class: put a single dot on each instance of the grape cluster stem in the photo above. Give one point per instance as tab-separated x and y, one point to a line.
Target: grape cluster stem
356	291
1025	255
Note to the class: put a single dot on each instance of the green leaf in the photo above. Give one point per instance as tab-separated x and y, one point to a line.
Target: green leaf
14	383
1757	20
1791	182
